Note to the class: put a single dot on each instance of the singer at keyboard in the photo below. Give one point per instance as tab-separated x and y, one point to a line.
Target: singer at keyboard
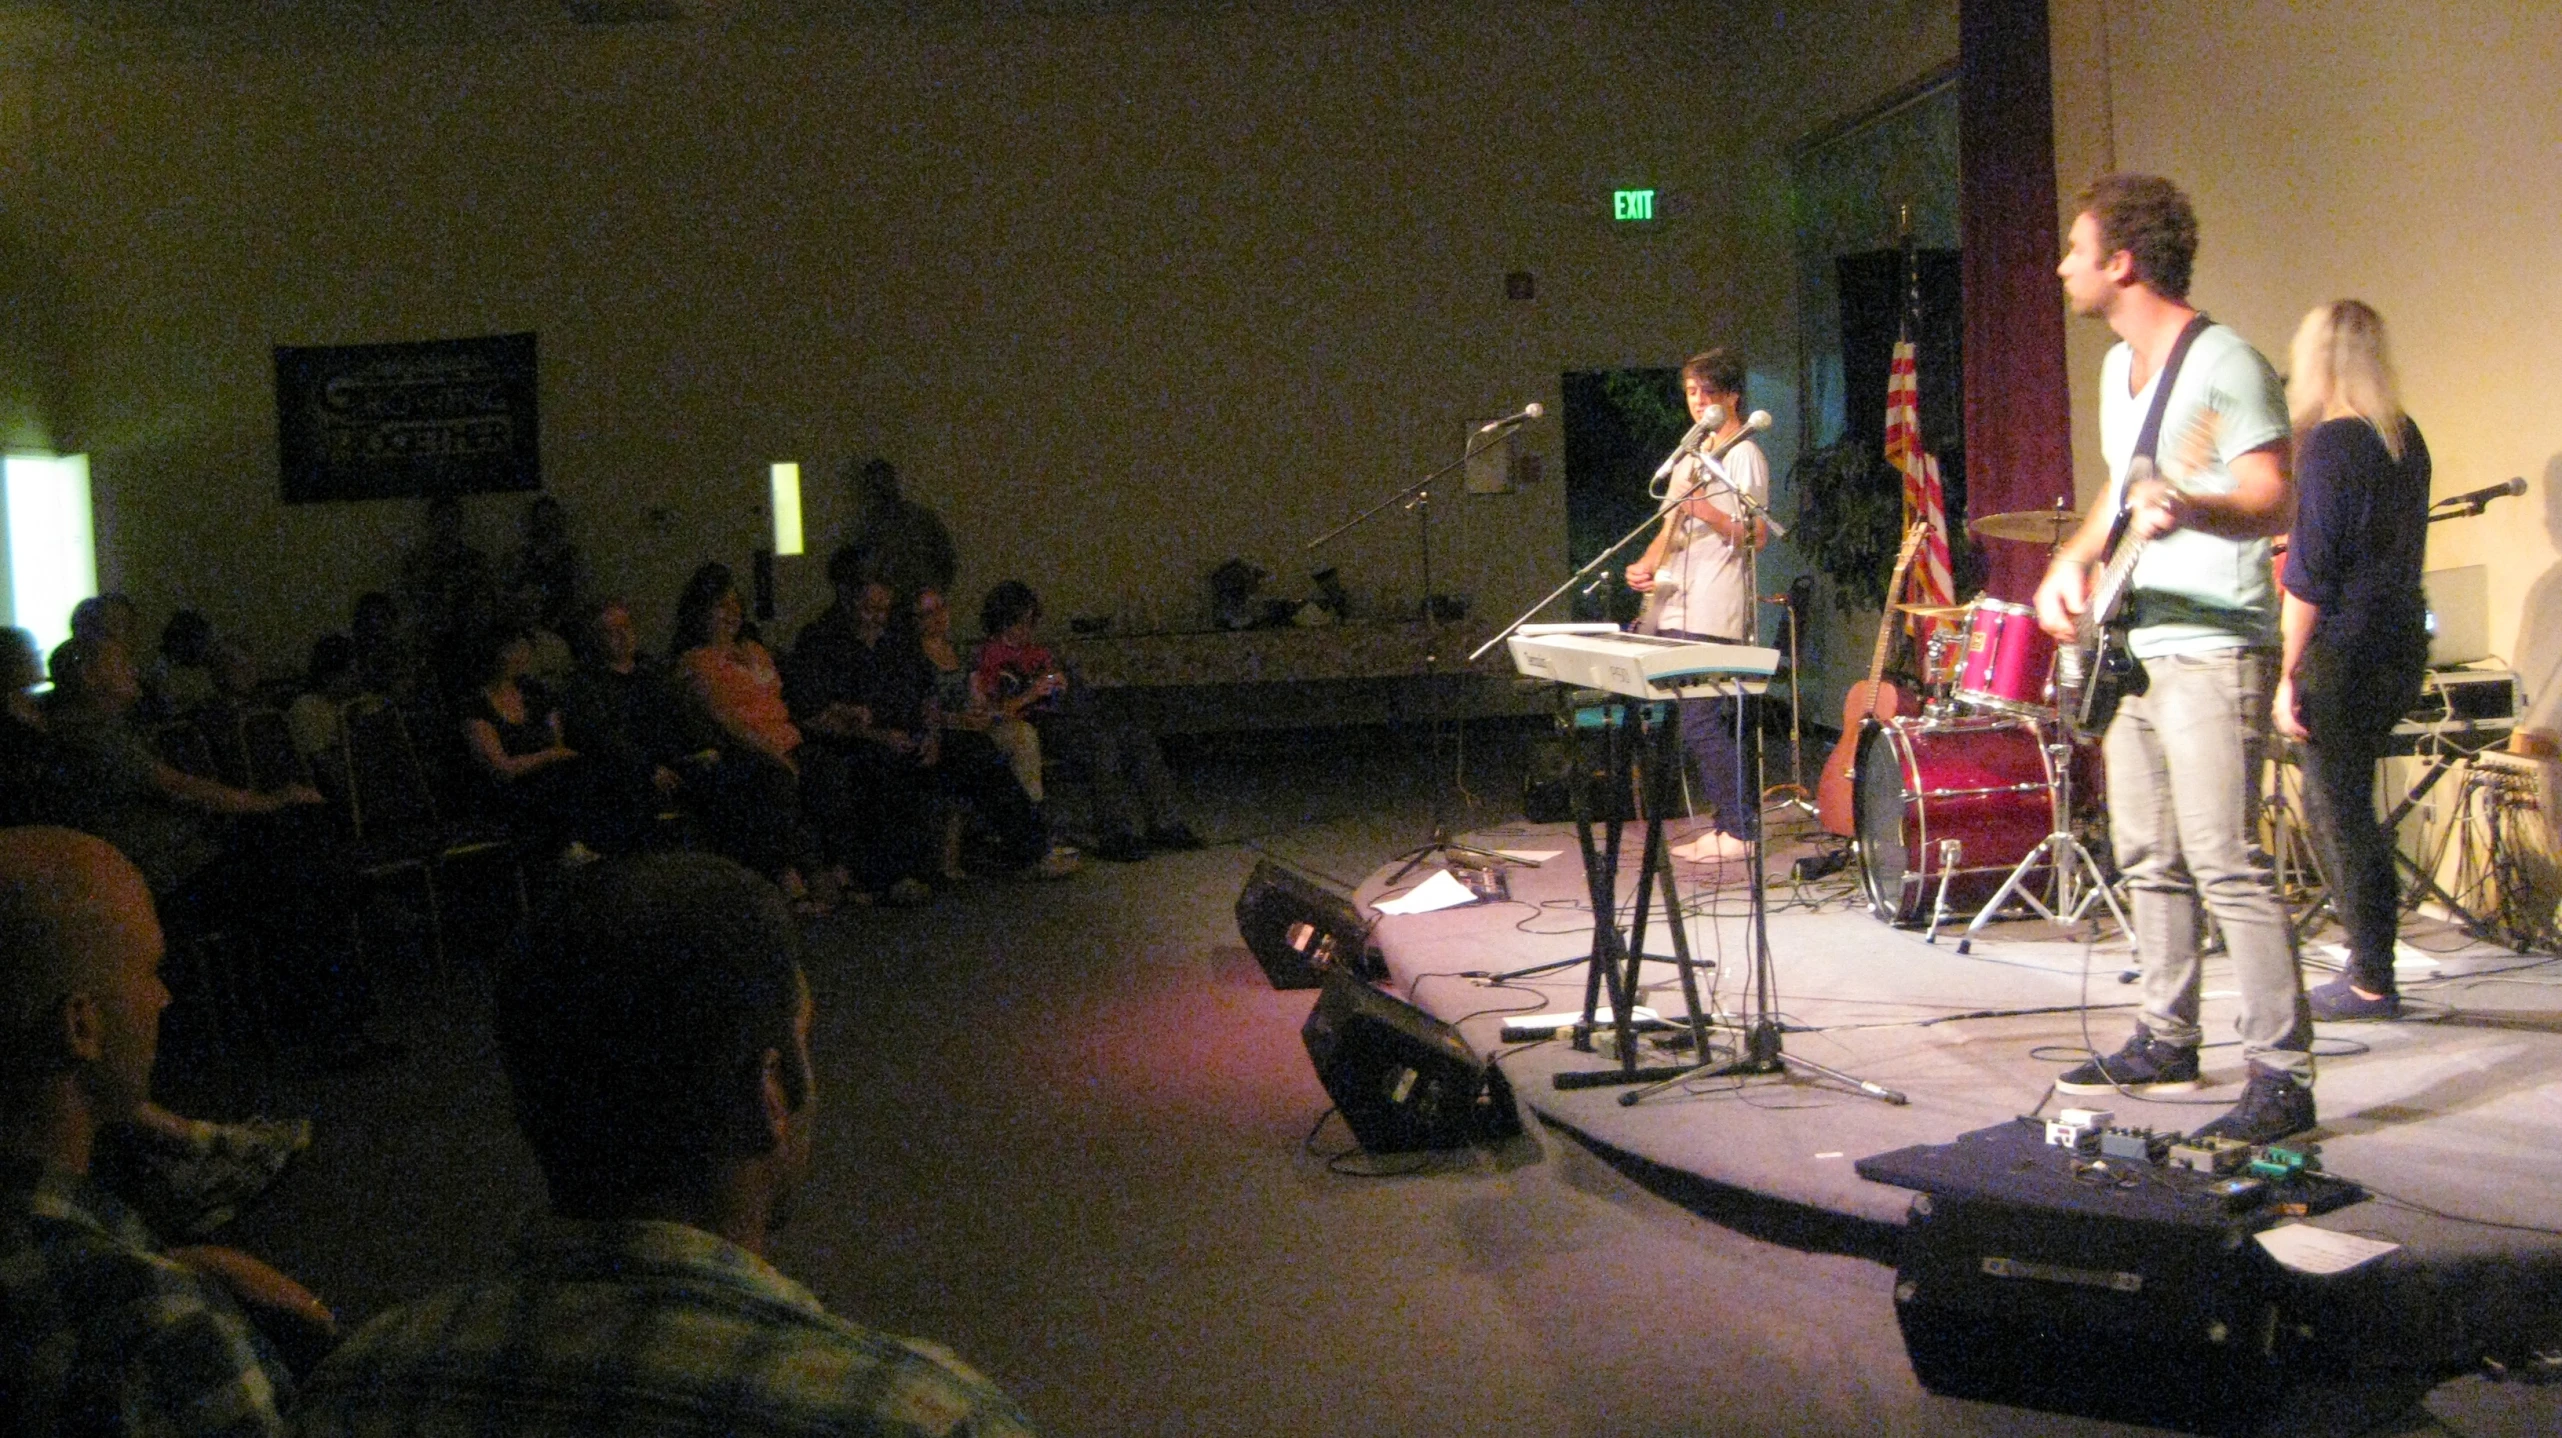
1697	579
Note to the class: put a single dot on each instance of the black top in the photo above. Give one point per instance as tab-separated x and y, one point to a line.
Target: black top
831	663
629	719
2360	537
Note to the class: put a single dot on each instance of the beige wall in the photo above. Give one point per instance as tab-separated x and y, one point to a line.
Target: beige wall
2410	156
1125	294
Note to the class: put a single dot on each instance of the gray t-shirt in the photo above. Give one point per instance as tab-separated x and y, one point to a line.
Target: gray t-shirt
2197	592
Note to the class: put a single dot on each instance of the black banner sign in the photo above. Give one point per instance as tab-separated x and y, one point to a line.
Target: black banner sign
401	420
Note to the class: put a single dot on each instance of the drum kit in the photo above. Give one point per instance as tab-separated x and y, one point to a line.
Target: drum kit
1981	797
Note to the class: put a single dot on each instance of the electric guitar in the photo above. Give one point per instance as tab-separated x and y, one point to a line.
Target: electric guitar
2098	669
1872	700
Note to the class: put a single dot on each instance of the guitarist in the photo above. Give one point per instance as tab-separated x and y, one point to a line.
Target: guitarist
1697	579
2185	747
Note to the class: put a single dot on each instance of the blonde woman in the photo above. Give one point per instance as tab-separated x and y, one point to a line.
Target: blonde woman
2354	624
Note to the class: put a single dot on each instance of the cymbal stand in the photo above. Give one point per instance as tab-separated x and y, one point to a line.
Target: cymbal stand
1417	499
2073	865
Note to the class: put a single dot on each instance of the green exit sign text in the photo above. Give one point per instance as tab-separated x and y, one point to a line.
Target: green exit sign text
1632	205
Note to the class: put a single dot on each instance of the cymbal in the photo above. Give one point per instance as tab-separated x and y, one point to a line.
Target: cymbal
1945	613
2040	526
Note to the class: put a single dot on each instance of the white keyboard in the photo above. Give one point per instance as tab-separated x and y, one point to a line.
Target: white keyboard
1639	666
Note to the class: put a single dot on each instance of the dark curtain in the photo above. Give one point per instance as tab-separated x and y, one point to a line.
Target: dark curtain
2019	448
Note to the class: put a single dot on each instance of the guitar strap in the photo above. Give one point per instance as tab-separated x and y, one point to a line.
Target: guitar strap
2149	438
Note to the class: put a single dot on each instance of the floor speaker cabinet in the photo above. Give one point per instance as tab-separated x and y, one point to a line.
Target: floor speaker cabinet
1402	1079
2173	1325
1298	929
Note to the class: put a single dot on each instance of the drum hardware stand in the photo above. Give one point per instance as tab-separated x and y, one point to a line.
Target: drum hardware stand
2071	860
1417	498
1952	852
1762	1049
1796	795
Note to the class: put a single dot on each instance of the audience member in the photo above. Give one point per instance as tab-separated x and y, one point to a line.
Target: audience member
329	685
547	565
864	696
1134	799
956	688
736	693
102	1330
901	541
180	679
527	774
386	661
27	763
643	1301
279	881
973	760
621	708
107	616
447	592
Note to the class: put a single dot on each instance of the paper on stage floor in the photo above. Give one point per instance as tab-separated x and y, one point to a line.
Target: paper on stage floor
2307	1249
1438	892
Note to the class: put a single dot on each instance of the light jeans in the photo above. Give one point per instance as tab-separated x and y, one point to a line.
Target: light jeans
2183	790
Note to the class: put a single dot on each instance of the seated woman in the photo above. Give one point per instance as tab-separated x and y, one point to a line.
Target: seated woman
525	774
1134	800
974	768
752	798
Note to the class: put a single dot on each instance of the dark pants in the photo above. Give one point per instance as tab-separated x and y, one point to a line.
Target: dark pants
875	820
973	771
1729	775
1133	790
750	808
2349	703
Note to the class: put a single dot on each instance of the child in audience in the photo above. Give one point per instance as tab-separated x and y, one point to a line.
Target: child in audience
1135	807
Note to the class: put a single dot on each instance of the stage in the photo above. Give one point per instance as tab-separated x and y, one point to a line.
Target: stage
2451	1118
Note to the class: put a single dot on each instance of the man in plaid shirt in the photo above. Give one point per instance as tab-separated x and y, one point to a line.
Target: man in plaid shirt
657	1043
101	1331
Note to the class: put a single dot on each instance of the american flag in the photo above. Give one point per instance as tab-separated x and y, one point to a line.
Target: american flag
1923	499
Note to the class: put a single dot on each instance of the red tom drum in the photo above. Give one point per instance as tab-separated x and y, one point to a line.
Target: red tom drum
2007	663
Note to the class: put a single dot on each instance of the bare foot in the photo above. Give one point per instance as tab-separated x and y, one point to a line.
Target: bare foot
1713	847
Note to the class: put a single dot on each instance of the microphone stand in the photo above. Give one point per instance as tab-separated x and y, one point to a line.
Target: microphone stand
1417	497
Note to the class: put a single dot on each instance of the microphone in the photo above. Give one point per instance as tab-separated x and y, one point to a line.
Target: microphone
2481	497
1709	422
1528	412
1759	421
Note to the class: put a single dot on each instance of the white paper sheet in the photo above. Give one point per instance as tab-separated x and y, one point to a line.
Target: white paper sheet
1438	892
1530	856
2307	1249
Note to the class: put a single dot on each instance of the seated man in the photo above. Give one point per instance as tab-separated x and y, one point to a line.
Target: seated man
643	1303
101	1331
622	710
274	871
864	694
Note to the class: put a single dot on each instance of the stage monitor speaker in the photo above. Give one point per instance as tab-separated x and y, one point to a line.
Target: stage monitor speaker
1403	1079
2091	1314
1299	930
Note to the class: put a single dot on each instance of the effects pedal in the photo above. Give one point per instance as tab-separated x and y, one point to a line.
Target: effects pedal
2135	1143
2210	1155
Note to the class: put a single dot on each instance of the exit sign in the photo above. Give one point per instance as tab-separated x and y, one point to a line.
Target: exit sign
1632	205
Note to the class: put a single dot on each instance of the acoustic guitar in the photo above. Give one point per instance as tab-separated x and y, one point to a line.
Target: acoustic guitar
1872	701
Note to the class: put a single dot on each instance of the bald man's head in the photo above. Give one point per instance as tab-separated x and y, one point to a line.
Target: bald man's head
79	970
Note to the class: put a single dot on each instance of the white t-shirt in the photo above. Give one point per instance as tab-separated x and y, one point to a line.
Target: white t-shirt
2194	591
1706	583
